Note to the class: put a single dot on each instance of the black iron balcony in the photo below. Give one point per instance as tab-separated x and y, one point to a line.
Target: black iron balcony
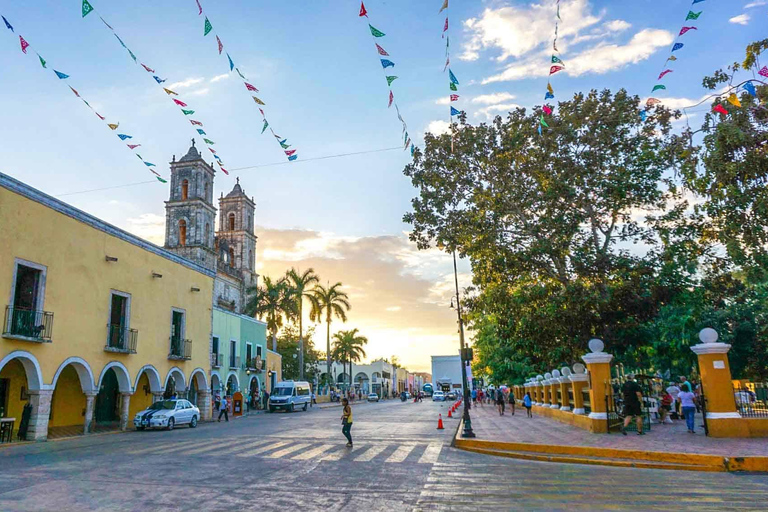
28	324
121	339
234	362
180	349
253	364
216	360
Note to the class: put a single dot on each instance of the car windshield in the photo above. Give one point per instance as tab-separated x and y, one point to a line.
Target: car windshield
163	404
283	391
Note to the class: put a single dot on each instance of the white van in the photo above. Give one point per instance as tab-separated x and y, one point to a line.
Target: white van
290	395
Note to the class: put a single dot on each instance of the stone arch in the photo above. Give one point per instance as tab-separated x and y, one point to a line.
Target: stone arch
342	378
178	375
230	375
215	382
123	378
83	370
200	378
258	383
153	376
31	368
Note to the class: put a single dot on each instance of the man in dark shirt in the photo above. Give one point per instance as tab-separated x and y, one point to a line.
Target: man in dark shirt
633	398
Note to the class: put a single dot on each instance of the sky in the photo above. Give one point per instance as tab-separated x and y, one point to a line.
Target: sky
319	74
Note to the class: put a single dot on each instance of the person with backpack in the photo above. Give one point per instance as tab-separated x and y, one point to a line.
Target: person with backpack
633	398
223	411
500	402
512	402
528	404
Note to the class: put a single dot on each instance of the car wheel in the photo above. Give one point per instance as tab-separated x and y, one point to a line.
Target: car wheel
193	422
305	406
291	408
271	409
171	423
139	428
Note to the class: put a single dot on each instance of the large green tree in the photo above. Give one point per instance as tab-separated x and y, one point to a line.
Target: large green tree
300	283
329	302
288	346
348	347
272	301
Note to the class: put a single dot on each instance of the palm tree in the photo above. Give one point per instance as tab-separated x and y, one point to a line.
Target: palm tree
329	301
348	347
273	301
299	283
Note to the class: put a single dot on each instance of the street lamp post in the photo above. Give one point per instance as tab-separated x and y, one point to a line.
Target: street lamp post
467	432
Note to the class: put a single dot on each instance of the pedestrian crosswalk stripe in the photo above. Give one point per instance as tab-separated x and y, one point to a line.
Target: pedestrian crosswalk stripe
242	447
338	454
263	449
207	448
371	452
401	453
314	452
286	451
431	454
163	446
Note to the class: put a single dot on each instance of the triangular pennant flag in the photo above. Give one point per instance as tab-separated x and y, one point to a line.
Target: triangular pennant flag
413	148
391	99
454	97
250	87
547	109
444	7
686	29
697	1
149	164
407	143
539	129
8	25
672	57
221	46
257	100
199	8
161	180
556	59
763	71
376	32
750	89
677	46
179	103
201	132
391	79
87	8
124	136
555	69
42	61
721	109
209	141
693	15
232	65
133	146
170	92
224	170
236	69
293	157
149	70
734	100
262	111
453	86
61	75
543	122
455	112
158	79
24	44
212	150
549	96
651	102
447	63
445	27
363	12
98	115
121	42
387	63
208	27
154	172
197	123
453	78
666	71
381	50
549	88
289	153
132	55
188	112
266	124
285	146
76	93
657	87
643	115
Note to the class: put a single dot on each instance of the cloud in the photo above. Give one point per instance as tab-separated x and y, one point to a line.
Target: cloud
189	82
758	3
741	19
218	77
491	110
199	92
496	97
439	127
394	309
148	226
617	25
443	101
677	103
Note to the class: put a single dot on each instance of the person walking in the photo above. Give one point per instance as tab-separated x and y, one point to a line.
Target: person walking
666	407
633	397
265	396
346	421
500	402
474	396
674	390
528	404
688	405
223	411
512	402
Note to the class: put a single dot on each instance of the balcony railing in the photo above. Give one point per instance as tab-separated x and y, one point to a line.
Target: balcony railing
216	360
234	362
180	349
28	324
253	364
121	339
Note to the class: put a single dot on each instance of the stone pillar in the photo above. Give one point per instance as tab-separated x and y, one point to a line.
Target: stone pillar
40	400
125	403
599	367
578	381
565	403
90	398
554	384
204	404
716	383
544	395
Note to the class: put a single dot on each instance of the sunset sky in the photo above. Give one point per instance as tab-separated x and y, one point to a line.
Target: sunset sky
320	77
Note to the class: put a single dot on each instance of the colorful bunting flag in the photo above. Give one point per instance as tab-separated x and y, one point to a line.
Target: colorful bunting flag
197	123
188	112
290	152
221	46
113	126
556	60
697	1
158	79
7	25
62	76
658	87
201	132
763	71
170	92
77	93
672	58
179	102
413	148
453	78
232	65
455	112
750	89
454	97
124	136
199	7
386	63
390	79
677	46
98	115
24	44
543	122
643	115
547	109
87	8
293	157
363	12
663	73
257	100
721	109
236	69
453	86
149	164
651	102
555	69
391	99
208	27
224	170
250	87
445	27
266	124
42	61
149	70
686	29
734	100
539	129
549	96
693	15
376	32
444	7
381	50
133	146
209	142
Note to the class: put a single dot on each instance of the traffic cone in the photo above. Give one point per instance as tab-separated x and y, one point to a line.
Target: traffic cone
439	422
449	413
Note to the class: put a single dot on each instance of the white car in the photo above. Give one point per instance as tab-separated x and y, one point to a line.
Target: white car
373	397
438	396
167	414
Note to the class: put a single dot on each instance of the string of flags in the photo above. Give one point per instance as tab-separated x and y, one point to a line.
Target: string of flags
676	46
453	82
556	64
252	90
25	46
376	34
186	110
747	86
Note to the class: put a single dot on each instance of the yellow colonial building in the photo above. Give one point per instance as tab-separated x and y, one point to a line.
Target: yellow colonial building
97	323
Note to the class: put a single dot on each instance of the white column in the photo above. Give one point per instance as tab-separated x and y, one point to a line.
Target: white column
90	398
40	400
125	403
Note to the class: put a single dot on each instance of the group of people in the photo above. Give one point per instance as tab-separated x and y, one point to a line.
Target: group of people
498	396
683	396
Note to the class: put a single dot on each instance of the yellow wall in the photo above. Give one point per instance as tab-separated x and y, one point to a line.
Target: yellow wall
140	400
14	372
68	403
78	287
274	363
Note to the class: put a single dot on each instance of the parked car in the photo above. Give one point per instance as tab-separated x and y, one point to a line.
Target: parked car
451	395
167	414
289	394
407	395
438	396
373	397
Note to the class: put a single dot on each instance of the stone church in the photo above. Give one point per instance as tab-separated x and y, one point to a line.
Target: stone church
189	221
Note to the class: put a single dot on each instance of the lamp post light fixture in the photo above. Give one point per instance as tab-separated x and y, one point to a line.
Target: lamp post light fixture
467	432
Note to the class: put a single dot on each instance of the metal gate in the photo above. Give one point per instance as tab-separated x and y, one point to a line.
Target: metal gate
614	406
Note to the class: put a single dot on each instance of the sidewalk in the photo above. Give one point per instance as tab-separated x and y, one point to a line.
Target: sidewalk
662	443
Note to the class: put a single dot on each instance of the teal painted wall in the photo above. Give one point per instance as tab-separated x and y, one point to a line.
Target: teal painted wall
228	327
254	332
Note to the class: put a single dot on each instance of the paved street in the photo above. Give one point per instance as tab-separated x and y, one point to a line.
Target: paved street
298	461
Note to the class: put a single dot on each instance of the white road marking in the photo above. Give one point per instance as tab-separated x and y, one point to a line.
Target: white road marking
263	449
163	446
210	447
431	454
286	451
311	454
242	447
371	452
401	453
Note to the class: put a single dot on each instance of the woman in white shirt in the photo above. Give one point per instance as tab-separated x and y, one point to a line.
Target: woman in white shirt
688	404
